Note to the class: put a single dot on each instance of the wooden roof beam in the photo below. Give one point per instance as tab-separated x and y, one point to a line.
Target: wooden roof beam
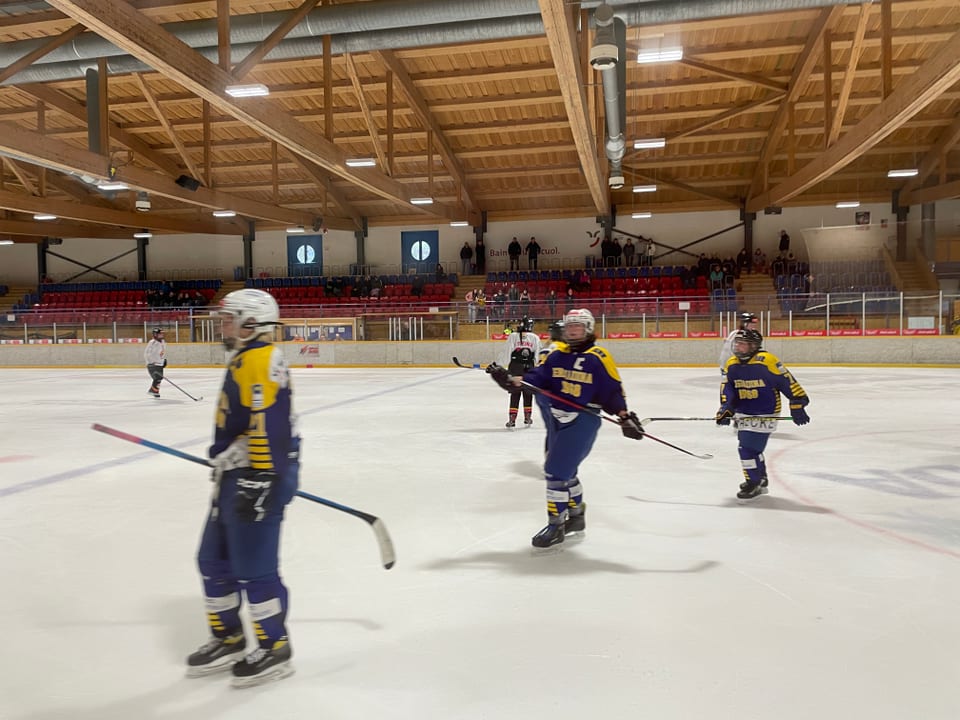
371	124
847	87
255	56
167	127
558	21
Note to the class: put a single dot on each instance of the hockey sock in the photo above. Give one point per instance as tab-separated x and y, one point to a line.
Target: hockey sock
576	497
223	614
558	501
754	469
268	611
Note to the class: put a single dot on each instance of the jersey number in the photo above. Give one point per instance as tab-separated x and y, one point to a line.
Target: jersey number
569	388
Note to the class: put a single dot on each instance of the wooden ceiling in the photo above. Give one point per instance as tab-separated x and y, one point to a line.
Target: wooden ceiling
483	106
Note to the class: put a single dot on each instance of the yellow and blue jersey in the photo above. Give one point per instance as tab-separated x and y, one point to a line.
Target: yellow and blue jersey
754	387
587	377
255	410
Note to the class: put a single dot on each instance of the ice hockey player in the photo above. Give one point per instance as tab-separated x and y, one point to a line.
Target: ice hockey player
748	321
556	337
585	374
155	356
750	395
255	454
518	355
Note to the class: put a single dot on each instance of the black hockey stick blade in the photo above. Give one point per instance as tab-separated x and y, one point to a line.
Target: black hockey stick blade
388	556
195	399
475	366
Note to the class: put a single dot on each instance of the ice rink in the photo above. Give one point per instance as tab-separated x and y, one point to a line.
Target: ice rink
833	597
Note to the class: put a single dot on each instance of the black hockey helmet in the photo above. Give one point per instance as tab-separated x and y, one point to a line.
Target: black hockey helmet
525	325
747	317
556	331
752	339
157	331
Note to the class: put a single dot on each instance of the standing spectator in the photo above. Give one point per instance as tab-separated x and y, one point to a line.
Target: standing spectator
570	299
518	356
471	306
586	376
498	303
784	246
481	253
255	455
416	287
514	250
651	252
466	259
616	252
155	355
629	250
513	296
533	253
525	302
750	396
551	299
480	299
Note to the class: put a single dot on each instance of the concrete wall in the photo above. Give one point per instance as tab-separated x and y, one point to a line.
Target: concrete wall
793	351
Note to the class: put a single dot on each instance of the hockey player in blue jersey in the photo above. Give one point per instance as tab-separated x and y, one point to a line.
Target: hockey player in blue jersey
754	379
586	374
255	454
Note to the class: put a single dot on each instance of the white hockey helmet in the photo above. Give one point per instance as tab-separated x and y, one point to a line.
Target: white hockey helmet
251	309
580	316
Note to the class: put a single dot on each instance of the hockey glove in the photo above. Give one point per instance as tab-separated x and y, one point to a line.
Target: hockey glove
253	496
500	376
723	416
630	426
799	415
164	362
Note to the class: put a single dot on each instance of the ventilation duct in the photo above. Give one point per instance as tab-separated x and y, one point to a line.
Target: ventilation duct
607	56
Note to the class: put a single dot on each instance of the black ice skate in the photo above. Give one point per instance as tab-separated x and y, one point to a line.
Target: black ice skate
577	523
263	665
511	423
550	535
215	655
154	391
763	486
528	421
751	491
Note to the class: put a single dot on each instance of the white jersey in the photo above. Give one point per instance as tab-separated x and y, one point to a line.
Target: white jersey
155	352
519	340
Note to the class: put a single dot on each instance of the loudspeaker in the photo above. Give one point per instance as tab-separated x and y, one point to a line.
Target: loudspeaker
185	181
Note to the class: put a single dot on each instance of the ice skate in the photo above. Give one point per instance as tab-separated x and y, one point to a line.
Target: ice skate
552	534
751	491
763	486
511	423
263	665
154	391
577	523
527	421
215	655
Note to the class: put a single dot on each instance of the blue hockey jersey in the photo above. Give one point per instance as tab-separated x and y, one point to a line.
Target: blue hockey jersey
588	377
754	387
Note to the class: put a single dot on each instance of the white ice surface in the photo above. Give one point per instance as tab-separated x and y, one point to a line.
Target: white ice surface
836	596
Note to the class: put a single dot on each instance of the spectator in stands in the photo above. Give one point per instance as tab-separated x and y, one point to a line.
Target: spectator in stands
416	287
499	303
513	250
651	252
471	306
480	298
364	285
716	277
759	261
629	250
513	297
551	299
481	253
533	253
743	262
376	287
466	258
183	299
582	282
525	303
616	252
570	299
784	242
441	274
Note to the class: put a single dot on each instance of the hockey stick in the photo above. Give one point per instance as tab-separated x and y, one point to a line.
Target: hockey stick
475	366
387	555
709	419
183	391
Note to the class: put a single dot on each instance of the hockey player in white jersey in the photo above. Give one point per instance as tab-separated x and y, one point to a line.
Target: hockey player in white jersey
519	355
155	357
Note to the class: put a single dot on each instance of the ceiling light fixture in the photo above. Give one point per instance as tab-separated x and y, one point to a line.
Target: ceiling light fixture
655	55
421	201
44	216
459	223
6	242
905	172
251	90
361	162
297	229
641	215
224	213
644	188
848	204
649	143
143	235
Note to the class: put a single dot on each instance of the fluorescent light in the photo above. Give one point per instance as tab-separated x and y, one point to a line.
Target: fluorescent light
143	235
459	223
44	216
252	90
905	172
655	55
641	215
649	143
110	185
361	162
421	201
297	229
644	188
224	213
6	242
848	204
